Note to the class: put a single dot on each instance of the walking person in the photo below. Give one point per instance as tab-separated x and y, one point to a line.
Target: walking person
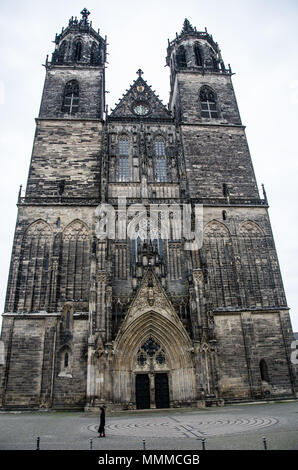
101	429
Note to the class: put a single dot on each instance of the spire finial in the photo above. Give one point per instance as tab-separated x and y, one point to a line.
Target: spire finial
140	72
187	27
85	13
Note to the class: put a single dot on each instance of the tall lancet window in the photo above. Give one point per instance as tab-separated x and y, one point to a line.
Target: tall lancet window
94	55
198	55
77	51
181	57
124	164
61	52
160	161
71	98
208	102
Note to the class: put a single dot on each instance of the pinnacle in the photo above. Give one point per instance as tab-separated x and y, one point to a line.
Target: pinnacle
187	27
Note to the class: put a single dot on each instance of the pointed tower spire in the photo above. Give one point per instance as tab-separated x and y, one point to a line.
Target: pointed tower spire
187	27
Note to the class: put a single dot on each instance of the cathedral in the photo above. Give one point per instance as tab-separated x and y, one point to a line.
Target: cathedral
149	315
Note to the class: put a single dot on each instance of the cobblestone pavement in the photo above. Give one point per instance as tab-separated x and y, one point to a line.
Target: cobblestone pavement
230	427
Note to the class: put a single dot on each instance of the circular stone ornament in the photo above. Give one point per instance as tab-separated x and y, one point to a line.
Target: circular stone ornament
141	109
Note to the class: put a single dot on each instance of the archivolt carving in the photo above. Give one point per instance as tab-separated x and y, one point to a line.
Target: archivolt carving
250	228
76	230
174	340
216	229
39	228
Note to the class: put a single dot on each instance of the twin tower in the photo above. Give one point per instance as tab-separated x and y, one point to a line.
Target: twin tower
151	320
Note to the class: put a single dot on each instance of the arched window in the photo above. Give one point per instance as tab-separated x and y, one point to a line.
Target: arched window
198	55
61	52
94	55
160	160
124	165
65	362
208	103
67	323
264	370
66	359
77	51
181	57
75	266
71	98
34	265
225	190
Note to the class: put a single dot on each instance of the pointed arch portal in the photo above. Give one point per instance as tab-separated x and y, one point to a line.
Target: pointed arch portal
153	363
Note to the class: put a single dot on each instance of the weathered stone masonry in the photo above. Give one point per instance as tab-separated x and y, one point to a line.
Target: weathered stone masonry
142	323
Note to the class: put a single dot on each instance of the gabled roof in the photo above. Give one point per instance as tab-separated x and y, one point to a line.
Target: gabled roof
140	93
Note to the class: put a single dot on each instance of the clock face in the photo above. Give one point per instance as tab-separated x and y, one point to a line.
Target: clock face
141	109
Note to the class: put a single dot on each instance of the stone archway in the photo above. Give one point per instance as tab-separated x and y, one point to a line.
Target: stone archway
152	345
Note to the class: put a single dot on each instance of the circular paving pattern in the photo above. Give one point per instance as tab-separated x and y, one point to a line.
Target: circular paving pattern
190	427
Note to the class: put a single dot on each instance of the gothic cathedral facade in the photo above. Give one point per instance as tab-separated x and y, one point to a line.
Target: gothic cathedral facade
151	320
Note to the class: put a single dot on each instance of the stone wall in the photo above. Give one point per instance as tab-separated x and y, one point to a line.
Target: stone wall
91	96
243	340
33	376
216	155
65	150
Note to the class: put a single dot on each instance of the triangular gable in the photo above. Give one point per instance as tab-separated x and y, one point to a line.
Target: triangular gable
150	296
140	94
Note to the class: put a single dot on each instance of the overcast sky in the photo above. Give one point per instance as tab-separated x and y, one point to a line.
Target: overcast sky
257	37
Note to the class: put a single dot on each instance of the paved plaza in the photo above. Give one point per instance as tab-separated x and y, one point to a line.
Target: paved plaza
240	427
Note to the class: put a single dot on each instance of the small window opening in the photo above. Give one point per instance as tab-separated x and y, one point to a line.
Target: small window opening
66	359
264	370
225	190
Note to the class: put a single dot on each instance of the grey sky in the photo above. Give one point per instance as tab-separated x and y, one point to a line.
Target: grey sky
258	39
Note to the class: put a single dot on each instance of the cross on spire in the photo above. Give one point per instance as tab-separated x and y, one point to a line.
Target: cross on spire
140	72
85	13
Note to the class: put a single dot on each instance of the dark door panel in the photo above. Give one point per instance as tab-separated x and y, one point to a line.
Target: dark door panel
162	399
142	391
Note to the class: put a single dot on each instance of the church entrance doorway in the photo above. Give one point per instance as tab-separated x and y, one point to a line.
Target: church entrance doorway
161	391
162	399
142	391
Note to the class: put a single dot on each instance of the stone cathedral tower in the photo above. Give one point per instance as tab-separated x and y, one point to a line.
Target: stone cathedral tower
145	320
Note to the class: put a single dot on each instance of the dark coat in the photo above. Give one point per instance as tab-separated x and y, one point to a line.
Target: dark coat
102	420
